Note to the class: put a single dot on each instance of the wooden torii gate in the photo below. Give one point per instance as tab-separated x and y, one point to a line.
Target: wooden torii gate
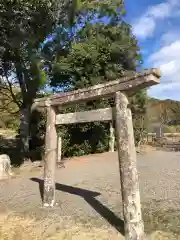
120	89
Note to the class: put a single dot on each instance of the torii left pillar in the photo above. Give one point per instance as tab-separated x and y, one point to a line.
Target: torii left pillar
50	157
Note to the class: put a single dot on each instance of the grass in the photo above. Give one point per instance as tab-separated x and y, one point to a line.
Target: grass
13	227
16	227
164	221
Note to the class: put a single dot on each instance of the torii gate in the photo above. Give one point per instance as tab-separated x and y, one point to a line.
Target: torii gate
120	89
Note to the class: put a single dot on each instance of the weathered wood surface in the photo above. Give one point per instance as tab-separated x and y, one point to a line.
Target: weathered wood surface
50	158
134	228
125	84
103	114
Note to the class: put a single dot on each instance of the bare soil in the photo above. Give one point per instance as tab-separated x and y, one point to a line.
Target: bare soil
89	201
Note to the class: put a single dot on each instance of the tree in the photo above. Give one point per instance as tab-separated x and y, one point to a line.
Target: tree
161	111
139	114
96	52
9	100
175	111
99	47
25	24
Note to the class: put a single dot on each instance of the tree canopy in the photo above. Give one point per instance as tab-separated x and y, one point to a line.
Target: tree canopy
24	26
66	45
98	47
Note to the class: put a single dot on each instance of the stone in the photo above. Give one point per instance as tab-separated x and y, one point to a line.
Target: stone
5	167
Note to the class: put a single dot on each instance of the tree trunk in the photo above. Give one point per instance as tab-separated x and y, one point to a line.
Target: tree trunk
24	132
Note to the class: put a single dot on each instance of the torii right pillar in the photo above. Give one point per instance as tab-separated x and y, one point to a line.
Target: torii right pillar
133	224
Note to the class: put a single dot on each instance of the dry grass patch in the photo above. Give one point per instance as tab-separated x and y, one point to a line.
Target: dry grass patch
81	233
159	235
15	227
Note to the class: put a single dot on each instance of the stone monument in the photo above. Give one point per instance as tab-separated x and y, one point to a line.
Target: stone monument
5	167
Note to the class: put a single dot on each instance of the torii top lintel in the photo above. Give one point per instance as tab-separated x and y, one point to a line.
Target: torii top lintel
127	84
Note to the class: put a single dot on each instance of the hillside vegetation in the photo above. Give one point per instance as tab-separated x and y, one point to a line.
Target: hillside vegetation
9	111
93	137
166	112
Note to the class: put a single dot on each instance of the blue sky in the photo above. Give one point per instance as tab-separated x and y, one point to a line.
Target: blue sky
156	24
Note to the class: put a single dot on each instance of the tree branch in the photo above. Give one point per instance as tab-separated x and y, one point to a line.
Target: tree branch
12	93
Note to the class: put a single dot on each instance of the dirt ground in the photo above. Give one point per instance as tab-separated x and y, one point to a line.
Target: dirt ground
88	197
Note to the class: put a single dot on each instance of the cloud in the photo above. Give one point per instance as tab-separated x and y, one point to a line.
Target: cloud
161	22
144	27
146	24
167	58
170	36
170	52
161	10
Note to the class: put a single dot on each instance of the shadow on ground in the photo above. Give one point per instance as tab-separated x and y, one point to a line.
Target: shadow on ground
90	198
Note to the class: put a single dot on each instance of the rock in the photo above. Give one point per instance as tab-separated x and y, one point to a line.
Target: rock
5	167
60	165
37	164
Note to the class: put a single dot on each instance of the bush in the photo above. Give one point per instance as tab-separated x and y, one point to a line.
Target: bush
37	135
83	139
77	139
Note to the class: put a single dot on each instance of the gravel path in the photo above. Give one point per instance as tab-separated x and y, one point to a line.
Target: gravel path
88	189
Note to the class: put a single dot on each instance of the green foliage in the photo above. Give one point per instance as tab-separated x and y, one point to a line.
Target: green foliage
102	53
24	27
96	53
81	139
76	58
25	24
139	114
8	107
37	137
